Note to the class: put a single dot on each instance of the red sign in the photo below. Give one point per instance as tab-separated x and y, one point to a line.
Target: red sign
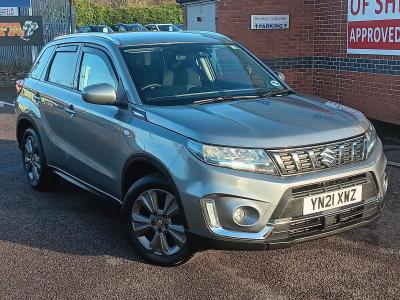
373	27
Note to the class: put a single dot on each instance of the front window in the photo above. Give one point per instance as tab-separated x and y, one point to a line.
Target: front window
94	70
185	73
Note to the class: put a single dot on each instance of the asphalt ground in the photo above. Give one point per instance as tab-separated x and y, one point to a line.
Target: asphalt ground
68	243
390	136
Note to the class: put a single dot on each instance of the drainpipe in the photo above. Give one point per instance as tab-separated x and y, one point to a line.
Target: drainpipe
66	16
34	49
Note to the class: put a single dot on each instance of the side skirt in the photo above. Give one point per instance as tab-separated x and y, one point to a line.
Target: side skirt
80	183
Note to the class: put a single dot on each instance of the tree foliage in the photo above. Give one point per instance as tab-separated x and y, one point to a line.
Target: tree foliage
92	12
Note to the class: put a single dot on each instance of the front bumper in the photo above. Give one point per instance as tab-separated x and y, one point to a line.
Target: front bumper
270	243
281	222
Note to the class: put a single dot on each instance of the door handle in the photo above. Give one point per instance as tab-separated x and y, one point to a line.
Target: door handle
37	98
70	110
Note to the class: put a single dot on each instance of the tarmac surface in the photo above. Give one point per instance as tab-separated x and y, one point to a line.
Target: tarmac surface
68	243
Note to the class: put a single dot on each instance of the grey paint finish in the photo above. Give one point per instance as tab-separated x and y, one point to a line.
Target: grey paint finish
263	123
103	94
94	143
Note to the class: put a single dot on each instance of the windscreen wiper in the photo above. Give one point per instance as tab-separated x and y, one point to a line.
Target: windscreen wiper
224	99
275	93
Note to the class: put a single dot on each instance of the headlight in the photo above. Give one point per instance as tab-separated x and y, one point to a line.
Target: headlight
371	139
251	160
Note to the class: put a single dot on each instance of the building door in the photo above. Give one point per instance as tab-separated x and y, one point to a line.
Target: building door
201	16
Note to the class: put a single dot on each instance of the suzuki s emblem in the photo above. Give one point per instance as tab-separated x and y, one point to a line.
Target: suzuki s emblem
328	157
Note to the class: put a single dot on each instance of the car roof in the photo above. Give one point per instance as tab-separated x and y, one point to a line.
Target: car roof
160	24
124	24
145	38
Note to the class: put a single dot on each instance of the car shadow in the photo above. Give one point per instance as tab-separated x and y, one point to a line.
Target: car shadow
66	219
71	220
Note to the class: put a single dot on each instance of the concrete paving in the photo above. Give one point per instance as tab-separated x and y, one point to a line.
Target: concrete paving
68	243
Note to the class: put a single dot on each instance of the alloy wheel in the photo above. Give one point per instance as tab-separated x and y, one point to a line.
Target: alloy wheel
32	159
157	222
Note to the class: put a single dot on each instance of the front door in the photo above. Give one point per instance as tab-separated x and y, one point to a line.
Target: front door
93	130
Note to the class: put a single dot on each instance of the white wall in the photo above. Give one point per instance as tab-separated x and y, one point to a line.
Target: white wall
201	16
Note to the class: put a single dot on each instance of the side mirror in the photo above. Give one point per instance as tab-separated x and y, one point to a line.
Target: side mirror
281	76
102	93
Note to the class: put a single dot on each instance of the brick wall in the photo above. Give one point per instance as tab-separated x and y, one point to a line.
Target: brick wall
368	83
312	54
274	46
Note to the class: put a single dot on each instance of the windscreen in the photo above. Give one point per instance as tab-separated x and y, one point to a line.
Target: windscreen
181	74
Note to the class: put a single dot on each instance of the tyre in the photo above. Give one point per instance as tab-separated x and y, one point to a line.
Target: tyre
155	222
38	175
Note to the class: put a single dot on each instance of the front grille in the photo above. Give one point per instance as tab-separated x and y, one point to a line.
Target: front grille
329	186
317	224
314	158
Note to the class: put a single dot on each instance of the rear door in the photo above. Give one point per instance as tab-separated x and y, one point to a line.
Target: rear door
52	93
92	130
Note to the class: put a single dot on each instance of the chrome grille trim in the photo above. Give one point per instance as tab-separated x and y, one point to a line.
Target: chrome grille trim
325	187
308	159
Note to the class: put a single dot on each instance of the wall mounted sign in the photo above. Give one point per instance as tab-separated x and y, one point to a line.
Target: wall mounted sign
13	3
270	22
373	27
21	31
8	11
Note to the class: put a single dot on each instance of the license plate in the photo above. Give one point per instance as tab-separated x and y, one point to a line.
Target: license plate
326	201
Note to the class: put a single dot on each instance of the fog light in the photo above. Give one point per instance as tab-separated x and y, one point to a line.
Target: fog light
239	214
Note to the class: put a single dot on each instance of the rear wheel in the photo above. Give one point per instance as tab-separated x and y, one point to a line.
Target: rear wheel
38	175
155	222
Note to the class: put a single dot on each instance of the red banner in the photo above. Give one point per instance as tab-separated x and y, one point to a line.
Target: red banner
378	34
373	27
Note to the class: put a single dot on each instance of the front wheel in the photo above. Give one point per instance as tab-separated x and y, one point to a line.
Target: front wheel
155	222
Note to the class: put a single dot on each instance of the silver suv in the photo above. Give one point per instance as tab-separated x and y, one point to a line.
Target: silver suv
199	141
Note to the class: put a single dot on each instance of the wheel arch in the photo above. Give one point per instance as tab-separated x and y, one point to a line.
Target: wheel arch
154	165
23	123
135	168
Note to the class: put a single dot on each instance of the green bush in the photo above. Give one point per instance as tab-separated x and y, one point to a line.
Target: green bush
91	12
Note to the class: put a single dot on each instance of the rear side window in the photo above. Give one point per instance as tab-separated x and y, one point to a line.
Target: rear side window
152	27
62	69
39	66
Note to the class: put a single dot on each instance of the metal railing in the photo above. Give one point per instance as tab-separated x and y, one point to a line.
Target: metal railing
54	24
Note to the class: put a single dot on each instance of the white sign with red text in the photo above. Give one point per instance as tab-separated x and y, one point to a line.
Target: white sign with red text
373	27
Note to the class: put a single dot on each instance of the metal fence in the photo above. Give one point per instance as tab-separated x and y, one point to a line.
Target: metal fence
53	13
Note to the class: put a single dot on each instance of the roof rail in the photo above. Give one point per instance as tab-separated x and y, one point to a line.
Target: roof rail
89	34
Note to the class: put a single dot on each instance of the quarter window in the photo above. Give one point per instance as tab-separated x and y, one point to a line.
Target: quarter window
62	70
95	70
41	63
